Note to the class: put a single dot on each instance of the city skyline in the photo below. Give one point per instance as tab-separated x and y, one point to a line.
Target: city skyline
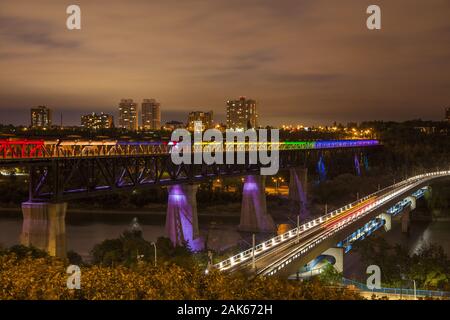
204	52
140	122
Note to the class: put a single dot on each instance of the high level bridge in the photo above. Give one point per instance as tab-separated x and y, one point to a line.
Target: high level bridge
61	171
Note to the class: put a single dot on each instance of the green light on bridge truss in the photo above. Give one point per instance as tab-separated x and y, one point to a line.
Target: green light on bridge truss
301	144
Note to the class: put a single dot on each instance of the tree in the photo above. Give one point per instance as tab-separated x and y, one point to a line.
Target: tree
428	266
74	258
108	253
23	251
330	275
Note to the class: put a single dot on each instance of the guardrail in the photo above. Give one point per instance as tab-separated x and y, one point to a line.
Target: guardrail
399	291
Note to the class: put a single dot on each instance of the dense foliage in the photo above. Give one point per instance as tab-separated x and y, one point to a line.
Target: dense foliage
429	266
28	277
439	199
131	247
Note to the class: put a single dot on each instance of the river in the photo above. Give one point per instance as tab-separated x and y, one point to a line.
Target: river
82	233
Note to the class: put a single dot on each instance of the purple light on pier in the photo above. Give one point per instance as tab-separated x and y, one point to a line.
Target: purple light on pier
182	224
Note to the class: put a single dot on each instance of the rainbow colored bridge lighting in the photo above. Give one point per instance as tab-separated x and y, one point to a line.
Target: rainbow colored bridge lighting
23	148
327	144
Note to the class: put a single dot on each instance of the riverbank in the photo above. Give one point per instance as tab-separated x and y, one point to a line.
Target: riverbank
230	211
124	216
128	212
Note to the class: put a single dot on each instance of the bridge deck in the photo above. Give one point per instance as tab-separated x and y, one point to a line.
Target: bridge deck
55	149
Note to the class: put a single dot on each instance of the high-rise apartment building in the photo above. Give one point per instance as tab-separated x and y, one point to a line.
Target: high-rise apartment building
151	114
41	117
205	117
97	121
241	114
173	125
128	115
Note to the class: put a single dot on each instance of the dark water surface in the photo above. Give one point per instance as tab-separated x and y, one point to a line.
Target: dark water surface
82	233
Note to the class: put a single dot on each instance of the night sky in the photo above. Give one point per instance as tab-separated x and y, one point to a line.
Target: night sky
305	61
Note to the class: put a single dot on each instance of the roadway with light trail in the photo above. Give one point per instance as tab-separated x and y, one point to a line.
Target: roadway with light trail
273	255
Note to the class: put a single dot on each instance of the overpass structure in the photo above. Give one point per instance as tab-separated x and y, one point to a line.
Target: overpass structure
60	171
332	234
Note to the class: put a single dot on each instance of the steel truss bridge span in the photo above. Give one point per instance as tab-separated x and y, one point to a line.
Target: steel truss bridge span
66	170
51	149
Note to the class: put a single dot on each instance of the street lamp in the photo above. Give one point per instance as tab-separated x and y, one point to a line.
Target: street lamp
276	184
277	180
253	251
210	262
402	278
139	257
154	244
414	283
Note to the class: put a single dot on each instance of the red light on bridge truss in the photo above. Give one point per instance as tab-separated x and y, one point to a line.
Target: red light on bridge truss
21	148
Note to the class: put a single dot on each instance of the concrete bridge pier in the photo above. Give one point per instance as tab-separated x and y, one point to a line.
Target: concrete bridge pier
182	219
44	227
387	221
338	255
406	219
298	183
254	216
413	200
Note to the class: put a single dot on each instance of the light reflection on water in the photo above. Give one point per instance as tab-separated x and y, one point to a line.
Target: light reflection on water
423	234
